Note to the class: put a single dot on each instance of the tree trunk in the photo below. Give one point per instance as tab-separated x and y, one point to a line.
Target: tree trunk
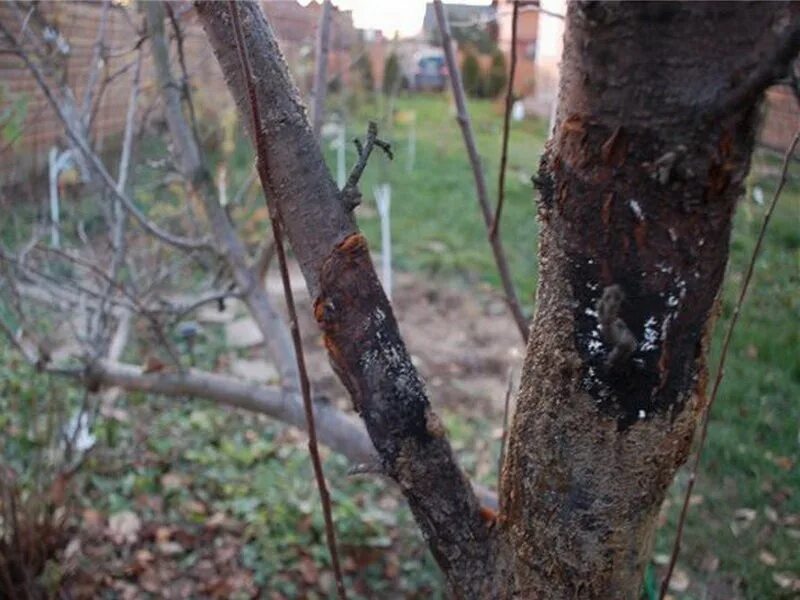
638	188
637	192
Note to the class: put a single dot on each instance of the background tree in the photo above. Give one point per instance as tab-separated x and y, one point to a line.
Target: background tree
392	76
471	74
497	75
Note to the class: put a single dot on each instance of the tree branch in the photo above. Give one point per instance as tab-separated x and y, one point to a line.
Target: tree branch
769	70
277	235
195	172
360	331
336	430
351	196
501	177
477	171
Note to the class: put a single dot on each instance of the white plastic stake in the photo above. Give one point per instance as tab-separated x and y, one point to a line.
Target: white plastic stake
57	163
383	198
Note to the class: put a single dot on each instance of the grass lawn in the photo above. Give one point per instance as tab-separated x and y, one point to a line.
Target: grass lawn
180	463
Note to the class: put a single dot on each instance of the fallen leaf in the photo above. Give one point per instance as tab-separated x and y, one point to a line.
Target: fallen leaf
786	581
710	563
784	462
745	514
169	548
308	571
153	365
767	558
771	514
679	582
172	481
93	521
124	527
163	534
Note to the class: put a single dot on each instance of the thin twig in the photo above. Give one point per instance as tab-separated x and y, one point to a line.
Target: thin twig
263	169
501	178
535	6
477	171
350	194
503	439
721	365
185	89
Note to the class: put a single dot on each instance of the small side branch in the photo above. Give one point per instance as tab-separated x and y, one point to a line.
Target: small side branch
477	170
351	196
770	70
501	178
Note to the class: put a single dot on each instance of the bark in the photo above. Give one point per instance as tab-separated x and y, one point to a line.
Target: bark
638	188
360	331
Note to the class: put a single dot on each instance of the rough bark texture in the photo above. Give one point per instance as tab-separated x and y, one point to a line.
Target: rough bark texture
638	188
361	333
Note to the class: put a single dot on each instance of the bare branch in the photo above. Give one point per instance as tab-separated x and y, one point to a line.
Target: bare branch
197	175
351	196
336	430
477	171
501	177
360	331
770	69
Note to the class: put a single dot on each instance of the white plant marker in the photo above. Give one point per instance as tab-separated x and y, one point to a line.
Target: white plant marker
383	198
57	163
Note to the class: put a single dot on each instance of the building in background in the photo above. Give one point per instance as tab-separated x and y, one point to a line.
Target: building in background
526	47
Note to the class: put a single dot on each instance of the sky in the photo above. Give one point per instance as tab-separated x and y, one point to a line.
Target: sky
403	16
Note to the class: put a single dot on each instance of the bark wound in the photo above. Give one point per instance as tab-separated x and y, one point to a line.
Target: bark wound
365	349
627	202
